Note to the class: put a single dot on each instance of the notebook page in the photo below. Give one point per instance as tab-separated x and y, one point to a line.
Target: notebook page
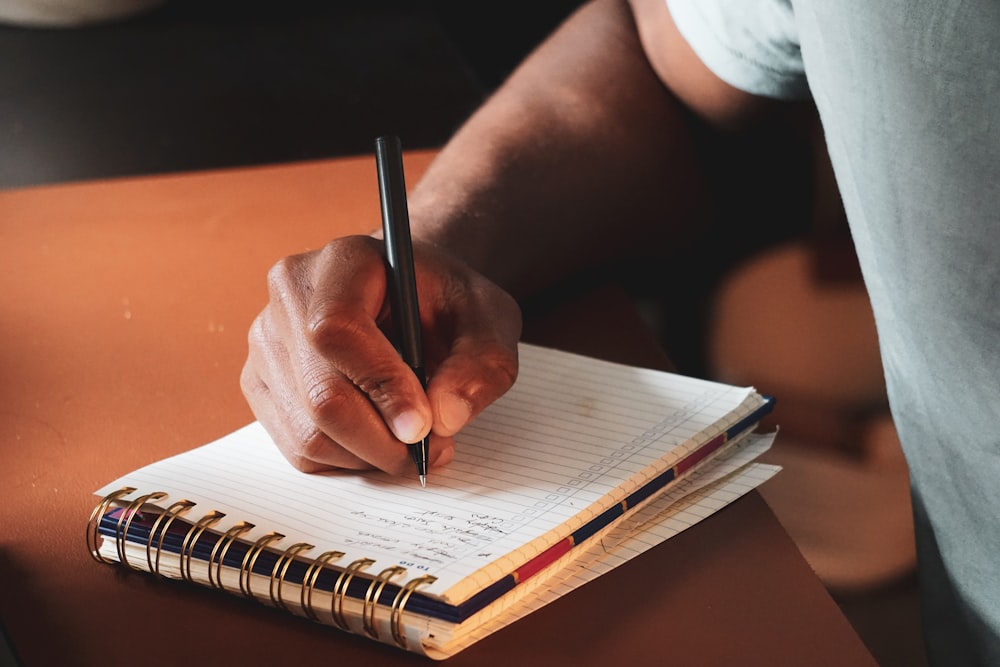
693	500
572	432
705	492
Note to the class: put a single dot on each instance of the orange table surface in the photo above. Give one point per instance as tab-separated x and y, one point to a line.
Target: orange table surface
124	311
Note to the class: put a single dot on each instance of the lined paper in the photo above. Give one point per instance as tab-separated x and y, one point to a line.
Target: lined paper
572	437
693	500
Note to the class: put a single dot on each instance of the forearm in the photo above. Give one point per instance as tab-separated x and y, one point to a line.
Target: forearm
580	156
583	155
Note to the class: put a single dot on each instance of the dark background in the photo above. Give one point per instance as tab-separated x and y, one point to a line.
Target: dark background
197	84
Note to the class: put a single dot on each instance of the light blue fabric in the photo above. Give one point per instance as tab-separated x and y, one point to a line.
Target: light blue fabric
909	95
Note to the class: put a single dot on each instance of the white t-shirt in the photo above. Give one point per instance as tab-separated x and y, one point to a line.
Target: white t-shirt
909	95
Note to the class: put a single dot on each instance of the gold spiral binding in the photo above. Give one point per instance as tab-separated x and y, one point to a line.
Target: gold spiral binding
94	523
191	539
309	581
221	548
167	518
340	591
371	598
278	572
278	578
125	521
250	559
399	604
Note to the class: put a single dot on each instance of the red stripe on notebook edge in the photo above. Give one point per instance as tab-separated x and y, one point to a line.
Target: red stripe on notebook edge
561	548
542	560
699	455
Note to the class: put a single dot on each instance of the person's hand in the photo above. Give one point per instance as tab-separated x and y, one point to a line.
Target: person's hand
325	380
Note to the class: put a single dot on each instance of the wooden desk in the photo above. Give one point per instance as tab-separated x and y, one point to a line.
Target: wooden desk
124	313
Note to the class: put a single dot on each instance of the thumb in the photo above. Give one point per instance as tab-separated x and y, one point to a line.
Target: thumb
472	377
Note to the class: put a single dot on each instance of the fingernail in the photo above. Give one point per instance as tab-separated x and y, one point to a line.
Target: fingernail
409	427
454	413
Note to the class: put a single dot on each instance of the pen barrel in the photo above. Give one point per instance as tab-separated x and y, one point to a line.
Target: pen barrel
399	250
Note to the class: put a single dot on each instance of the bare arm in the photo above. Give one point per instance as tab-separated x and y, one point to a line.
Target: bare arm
582	154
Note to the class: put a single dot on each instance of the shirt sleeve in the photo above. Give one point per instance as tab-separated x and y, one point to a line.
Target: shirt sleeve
750	44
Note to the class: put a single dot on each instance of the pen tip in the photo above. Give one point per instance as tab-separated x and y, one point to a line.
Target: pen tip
423	481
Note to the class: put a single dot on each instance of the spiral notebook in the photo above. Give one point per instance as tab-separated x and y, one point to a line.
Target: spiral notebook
570	455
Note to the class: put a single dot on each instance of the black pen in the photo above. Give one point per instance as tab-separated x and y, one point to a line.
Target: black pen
402	279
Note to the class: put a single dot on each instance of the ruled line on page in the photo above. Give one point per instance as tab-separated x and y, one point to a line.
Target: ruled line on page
572	432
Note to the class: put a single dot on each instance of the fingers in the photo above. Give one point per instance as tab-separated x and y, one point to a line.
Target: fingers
330	387
481	362
275	405
269	385
319	371
468	382
346	345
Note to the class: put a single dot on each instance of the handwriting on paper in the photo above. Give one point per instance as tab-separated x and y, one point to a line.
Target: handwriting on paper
451	534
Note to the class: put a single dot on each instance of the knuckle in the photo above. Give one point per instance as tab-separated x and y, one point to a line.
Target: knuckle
257	333
377	388
380	384
326	400
250	382
304	445
303	463
288	283
335	326
279	276
499	364
311	446
310	450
